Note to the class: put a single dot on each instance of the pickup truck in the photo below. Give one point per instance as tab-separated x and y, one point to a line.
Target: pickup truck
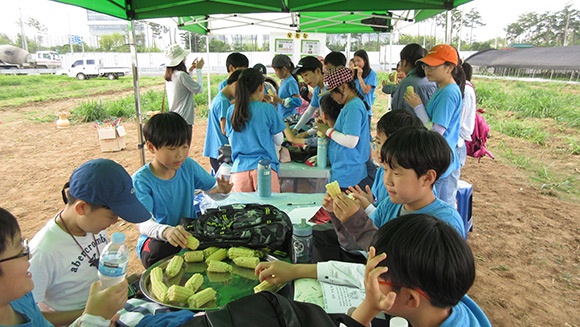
88	68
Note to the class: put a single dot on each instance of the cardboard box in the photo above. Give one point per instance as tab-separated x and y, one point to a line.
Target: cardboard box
112	138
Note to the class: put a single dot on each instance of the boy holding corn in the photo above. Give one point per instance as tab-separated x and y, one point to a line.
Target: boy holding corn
166	187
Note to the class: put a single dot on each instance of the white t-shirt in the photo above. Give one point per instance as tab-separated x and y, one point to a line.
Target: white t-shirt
467	114
61	272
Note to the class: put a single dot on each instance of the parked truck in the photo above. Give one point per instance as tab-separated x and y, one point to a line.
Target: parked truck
12	57
89	67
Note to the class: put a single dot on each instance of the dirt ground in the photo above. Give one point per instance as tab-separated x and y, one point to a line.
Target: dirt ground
526	244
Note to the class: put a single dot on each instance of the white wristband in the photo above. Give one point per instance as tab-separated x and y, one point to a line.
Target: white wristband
88	320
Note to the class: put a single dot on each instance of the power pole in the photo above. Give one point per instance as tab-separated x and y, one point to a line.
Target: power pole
23	41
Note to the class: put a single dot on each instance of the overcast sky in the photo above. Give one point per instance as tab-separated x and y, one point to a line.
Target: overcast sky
61	19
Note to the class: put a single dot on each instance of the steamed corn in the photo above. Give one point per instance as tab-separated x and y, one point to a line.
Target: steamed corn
219	267
240	251
333	189
218	255
194	282
179	294
158	287
192	242
264	286
201	298
174	266
193	256
247	262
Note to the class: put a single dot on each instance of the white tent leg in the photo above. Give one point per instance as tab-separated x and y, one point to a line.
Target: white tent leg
134	66
208	73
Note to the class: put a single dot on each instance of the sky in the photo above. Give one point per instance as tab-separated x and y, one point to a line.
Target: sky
62	20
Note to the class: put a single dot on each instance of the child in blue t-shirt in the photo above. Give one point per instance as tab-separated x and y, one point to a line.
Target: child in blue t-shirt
349	147
166	187
365	78
288	98
254	128
234	61
441	65
215	135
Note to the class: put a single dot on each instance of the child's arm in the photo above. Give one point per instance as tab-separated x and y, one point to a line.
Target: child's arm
102	305
62	318
222	186
375	301
305	117
354	219
279	272
349	141
293	138
364	198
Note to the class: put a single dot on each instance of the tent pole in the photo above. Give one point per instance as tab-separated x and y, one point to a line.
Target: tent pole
208	72
448	27
136	89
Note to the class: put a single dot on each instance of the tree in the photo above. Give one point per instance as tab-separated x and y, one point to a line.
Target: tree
38	27
157	31
456	21
4	39
426	41
472	19
218	46
546	29
112	42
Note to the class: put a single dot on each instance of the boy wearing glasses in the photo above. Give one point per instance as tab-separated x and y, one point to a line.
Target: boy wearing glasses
66	251
422	273
17	304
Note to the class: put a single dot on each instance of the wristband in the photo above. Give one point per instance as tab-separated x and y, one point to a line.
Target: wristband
330	133
91	320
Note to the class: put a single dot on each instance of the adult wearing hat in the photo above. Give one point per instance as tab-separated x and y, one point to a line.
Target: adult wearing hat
349	148
179	84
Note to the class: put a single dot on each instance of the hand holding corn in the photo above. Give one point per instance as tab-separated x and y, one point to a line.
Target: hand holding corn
176	236
412	98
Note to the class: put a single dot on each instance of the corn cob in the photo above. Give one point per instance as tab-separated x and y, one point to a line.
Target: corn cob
409	90
219	267
157	285
192	242
264	286
333	189
193	256
218	255
208	251
179	294
174	266
247	262
240	251
194	282
201	298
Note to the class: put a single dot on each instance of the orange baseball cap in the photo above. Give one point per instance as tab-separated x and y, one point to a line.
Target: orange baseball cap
441	54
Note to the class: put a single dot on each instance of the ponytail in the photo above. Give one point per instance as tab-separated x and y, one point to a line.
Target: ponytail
248	82
352	86
459	76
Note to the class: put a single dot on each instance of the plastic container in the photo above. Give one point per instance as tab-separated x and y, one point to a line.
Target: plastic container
398	322
322	152
113	261
264	179
302	243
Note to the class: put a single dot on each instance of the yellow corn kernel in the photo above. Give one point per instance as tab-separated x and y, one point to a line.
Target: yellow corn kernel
179	294
410	89
240	251
194	282
193	256
219	267
174	266
333	189
158	287
264	286
247	262
192	242
218	255
208	251
201	298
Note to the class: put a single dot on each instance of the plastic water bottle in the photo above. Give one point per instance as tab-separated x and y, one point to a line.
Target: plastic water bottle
322	152
264	178
114	260
398	322
302	243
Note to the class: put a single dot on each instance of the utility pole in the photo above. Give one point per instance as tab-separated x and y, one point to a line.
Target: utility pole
565	43
23	41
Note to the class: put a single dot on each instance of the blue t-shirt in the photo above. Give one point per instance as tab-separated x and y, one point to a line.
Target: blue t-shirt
387	211
315	101
170	200
444	108
371	80
348	166
289	87
222	84
379	190
255	142
213	136
466	313
27	307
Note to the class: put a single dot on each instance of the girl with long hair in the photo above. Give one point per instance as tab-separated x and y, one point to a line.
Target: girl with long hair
364	77
254	128
288	98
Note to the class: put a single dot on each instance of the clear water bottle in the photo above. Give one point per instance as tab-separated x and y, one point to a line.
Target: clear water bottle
264	178
322	152
302	243
113	262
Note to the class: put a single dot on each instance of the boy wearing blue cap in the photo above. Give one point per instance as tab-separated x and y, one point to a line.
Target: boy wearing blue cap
66	251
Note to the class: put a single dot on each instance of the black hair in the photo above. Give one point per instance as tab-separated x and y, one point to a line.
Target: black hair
353	87
394	120
335	58
411	53
8	231
234	76
167	129
457	73
365	57
169	70
304	91
237	60
330	107
468	70
418	149
426	253
248	82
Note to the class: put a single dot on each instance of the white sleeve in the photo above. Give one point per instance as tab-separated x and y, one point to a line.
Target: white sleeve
422	114
349	141
341	273
438	128
370	209
278	138
305	117
468	113
152	229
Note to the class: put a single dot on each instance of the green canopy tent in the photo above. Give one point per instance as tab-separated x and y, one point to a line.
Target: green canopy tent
132	10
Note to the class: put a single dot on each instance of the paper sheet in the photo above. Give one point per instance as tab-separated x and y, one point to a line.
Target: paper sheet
338	299
308	290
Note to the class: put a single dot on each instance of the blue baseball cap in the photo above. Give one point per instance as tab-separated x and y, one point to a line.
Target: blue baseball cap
104	182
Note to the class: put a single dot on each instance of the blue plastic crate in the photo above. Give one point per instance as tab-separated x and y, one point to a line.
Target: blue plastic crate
465	203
